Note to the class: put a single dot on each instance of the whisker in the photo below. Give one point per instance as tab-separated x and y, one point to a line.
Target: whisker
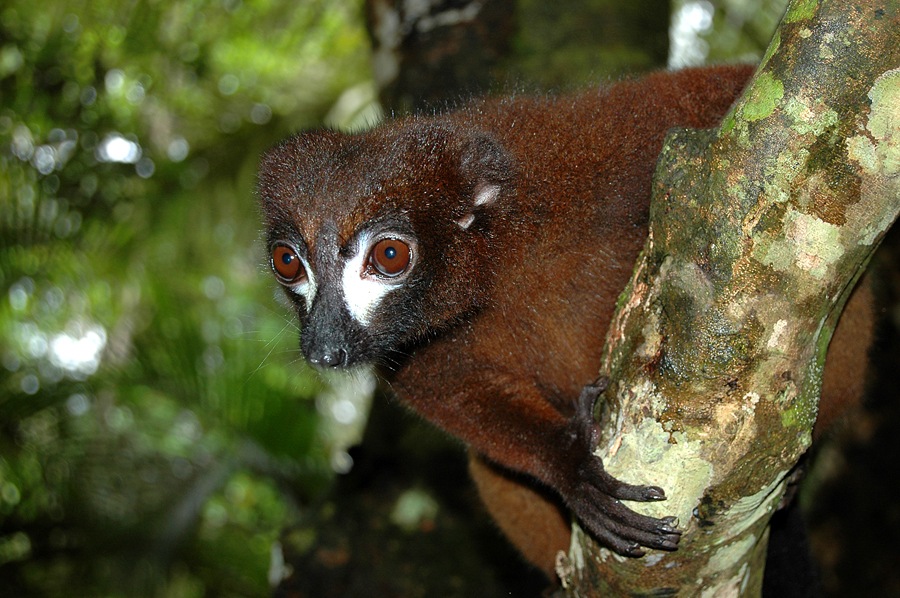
272	345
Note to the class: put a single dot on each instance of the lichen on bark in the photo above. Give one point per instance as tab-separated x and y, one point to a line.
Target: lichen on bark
759	231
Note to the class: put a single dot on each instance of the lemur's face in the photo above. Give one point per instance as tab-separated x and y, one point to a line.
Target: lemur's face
371	265
372	238
347	292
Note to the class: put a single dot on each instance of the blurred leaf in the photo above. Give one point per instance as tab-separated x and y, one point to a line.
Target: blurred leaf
146	369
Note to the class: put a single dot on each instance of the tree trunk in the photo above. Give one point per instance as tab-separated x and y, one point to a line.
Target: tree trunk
759	231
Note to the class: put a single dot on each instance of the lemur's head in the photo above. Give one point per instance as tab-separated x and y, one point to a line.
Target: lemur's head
381	238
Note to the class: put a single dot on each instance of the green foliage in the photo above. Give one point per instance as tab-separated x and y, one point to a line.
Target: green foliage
149	390
587	42
740	29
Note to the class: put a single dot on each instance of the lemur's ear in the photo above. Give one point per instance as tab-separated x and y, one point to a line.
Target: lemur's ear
485	167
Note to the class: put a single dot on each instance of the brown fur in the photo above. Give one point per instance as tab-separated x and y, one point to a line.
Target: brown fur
583	163
501	324
534	519
847	360
531	517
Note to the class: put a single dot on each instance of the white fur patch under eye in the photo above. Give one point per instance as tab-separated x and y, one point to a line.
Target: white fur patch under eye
307	288
362	293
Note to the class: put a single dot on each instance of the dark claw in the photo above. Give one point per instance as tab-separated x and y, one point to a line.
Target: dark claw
654	493
668	529
625	531
596	495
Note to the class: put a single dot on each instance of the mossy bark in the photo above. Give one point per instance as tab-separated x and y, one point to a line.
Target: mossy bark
759	231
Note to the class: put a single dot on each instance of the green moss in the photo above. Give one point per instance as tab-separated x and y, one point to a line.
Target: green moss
809	120
885	119
801	10
774	45
764	96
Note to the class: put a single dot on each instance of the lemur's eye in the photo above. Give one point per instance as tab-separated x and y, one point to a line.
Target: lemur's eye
390	257
287	265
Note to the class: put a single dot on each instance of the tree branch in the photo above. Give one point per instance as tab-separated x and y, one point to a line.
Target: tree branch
759	230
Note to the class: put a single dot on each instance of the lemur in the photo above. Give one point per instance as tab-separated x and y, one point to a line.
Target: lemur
475	257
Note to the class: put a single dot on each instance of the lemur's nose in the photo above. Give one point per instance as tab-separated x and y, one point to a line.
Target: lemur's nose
332	357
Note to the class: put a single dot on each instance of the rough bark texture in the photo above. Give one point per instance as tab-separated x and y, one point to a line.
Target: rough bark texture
425	54
759	231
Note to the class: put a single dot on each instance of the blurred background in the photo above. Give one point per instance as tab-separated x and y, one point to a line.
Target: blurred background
159	434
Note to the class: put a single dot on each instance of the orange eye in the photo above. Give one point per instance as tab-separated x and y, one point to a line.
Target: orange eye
287	265
390	257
